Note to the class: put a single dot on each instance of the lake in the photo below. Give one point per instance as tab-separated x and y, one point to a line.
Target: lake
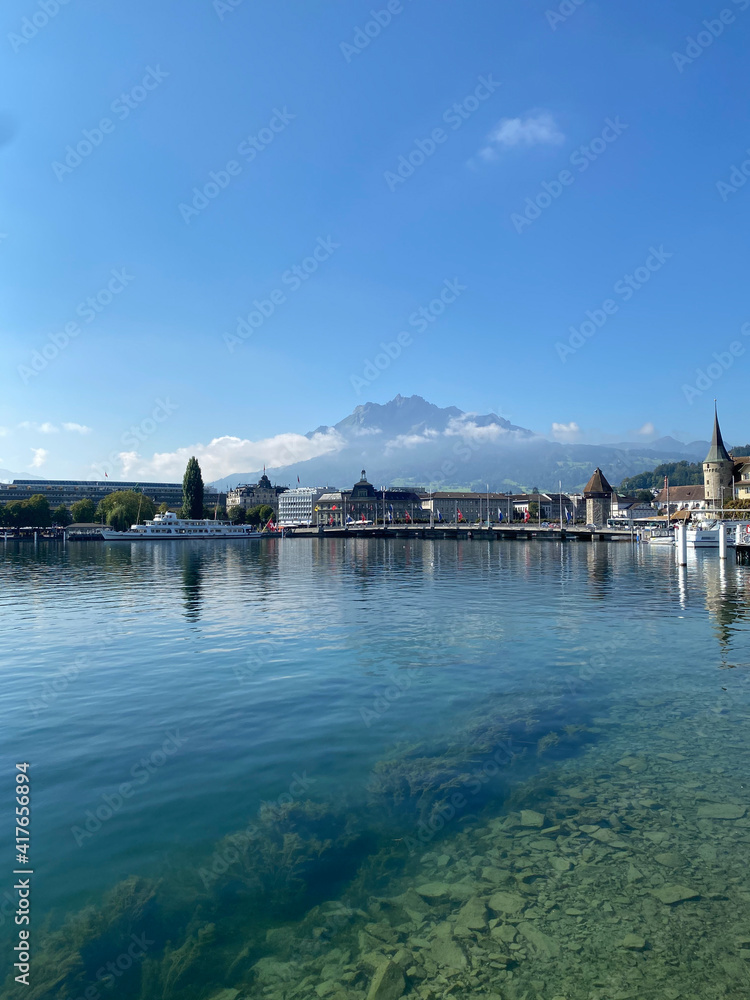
347	768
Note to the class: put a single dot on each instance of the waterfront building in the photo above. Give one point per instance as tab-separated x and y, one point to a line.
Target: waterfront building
68	491
718	469
503	507
250	495
598	495
682	498
629	509
297	506
742	477
364	503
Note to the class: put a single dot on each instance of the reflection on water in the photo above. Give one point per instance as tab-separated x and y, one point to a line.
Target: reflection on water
382	768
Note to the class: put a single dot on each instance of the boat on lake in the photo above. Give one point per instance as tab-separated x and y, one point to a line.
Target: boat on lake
170	527
705	534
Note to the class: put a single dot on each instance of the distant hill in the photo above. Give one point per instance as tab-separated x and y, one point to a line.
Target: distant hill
6	476
412	442
678	474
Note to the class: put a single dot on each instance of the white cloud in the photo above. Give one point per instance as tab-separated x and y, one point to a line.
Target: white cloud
566	432
3	432
45	428
225	455
40	456
536	130
48	428
647	430
411	440
466	426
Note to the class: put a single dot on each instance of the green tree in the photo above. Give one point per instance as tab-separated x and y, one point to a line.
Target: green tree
83	511
125	507
38	513
533	509
61	516
266	513
163	509
14	514
236	514
259	515
644	496
192	490
679	474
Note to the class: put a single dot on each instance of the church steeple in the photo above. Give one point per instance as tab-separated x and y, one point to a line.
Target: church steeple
717	452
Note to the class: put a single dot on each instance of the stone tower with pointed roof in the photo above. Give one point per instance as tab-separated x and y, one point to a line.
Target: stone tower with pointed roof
598	496
718	468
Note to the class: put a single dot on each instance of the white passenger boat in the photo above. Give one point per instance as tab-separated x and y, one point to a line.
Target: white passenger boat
705	534
662	536
170	527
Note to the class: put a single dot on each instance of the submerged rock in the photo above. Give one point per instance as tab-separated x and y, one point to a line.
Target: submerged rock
671	894
387	983
531	818
506	902
721	810
633	942
544	945
444	951
434	890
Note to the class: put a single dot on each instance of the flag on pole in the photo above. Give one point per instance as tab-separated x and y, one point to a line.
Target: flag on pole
526	516
297	480
106	476
440	516
499	515
460	516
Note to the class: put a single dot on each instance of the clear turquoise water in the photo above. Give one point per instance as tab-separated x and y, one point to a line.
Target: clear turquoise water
270	662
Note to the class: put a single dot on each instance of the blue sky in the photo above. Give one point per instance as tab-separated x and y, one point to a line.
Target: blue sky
304	127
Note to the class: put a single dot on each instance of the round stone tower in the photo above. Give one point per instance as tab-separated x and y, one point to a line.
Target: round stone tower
718	468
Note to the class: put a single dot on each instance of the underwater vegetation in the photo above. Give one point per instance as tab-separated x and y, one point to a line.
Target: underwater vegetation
265	892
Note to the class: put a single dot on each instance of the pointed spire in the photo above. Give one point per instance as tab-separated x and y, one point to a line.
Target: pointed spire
717	452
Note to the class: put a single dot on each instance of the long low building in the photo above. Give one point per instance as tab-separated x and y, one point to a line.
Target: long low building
460	505
68	491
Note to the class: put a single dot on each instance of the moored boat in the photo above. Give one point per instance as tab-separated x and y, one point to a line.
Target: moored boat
170	527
